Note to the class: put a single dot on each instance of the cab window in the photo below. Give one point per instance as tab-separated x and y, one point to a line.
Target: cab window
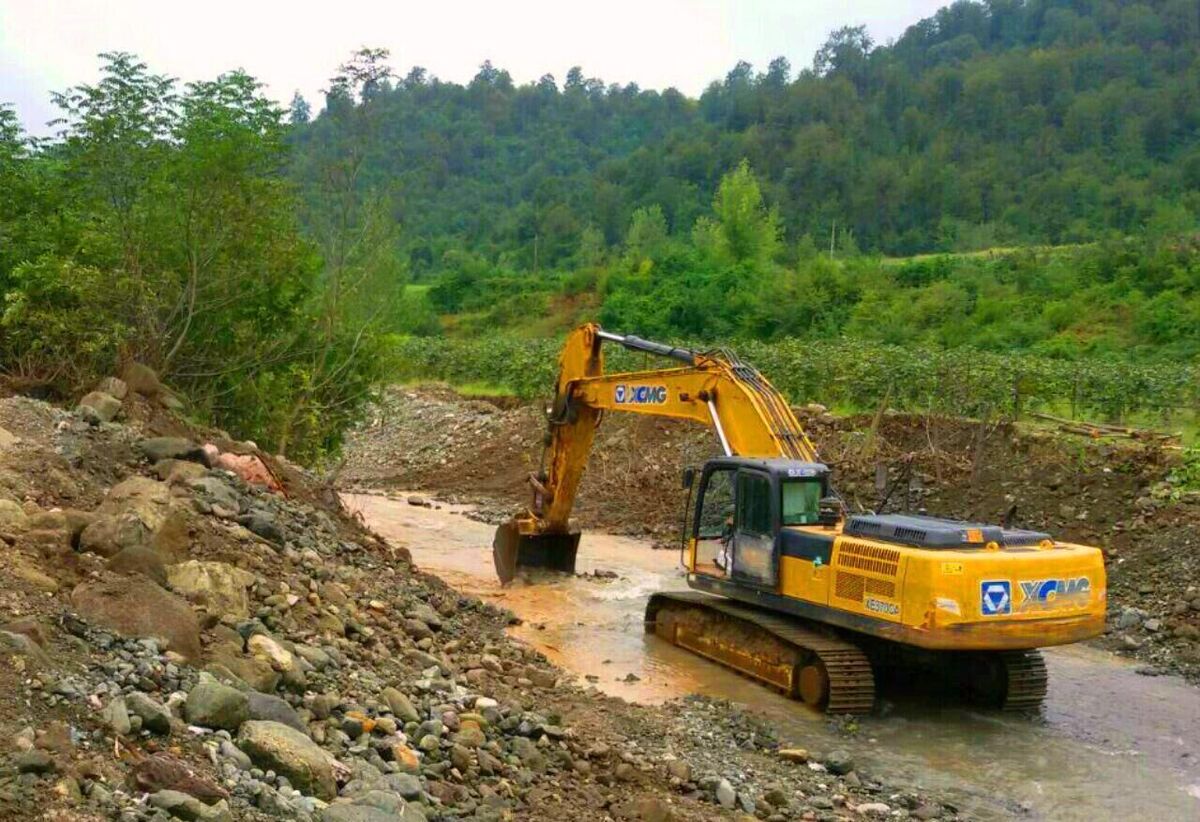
754	504
801	502
716	509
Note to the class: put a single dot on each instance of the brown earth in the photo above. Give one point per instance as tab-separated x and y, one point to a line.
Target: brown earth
1109	493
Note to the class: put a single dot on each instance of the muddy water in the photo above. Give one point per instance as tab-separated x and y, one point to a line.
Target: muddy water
1111	744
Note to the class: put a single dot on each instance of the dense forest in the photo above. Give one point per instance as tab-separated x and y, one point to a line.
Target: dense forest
991	123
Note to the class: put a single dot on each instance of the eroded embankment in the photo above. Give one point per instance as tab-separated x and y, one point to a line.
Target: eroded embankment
1096	492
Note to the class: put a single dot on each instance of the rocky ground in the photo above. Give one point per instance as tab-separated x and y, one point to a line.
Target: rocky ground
1109	493
193	630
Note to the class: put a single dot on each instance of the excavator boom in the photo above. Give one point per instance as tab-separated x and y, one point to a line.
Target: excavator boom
748	415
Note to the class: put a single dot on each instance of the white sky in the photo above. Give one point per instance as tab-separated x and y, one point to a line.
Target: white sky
48	45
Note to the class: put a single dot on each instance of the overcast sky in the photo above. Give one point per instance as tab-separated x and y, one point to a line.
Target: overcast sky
48	45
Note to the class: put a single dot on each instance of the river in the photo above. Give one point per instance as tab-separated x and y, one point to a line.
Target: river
1109	744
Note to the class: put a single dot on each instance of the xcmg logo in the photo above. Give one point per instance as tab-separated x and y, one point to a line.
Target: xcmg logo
1042	594
640	394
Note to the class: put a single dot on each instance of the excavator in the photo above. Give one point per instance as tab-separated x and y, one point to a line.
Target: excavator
787	586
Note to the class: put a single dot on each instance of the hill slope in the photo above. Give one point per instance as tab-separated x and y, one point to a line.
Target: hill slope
1010	121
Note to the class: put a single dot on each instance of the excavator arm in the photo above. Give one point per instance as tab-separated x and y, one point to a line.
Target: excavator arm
748	415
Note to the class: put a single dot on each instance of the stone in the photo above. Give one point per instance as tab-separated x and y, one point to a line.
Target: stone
257	673
345	812
110	534
21	645
793	755
138	559
217	493
154	715
213	705
34	761
405	784
218	586
527	751
8	439
775	797
235	755
188	808
104	407
262	524
726	796
873	809
114	387
116	716
470	735
142	379
178	472
270	650
652	808
137	607
171	448
400	705
1129	618
274	746
680	770
148	499
1153	625
274	709
26	569
839	763
163	772
12	516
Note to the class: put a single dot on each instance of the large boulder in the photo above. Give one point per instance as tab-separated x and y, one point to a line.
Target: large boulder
219	587
103	407
274	746
149	500
256	673
171	448
155	716
109	534
137	607
137	559
114	386
213	705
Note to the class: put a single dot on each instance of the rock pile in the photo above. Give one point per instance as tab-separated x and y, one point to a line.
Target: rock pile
180	643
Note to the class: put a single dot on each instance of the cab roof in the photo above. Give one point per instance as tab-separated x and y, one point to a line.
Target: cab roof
775	466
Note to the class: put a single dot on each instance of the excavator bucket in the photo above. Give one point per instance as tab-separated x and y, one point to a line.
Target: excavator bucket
512	550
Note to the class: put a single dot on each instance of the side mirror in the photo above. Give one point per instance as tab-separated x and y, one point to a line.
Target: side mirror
689	476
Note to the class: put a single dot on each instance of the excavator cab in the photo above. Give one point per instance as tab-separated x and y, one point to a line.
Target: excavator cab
741	507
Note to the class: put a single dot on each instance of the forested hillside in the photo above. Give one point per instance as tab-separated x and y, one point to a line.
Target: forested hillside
1000	122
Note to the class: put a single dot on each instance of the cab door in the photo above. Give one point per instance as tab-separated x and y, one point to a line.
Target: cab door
755	560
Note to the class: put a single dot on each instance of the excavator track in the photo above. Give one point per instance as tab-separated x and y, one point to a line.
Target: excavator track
825	671
1024	675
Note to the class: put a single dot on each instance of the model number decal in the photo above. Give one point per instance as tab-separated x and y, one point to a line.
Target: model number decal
879	606
640	394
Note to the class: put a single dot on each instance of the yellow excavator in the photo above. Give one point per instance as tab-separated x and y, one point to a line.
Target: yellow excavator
788	587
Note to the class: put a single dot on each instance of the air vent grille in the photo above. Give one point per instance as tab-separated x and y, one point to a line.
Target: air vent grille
866	557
